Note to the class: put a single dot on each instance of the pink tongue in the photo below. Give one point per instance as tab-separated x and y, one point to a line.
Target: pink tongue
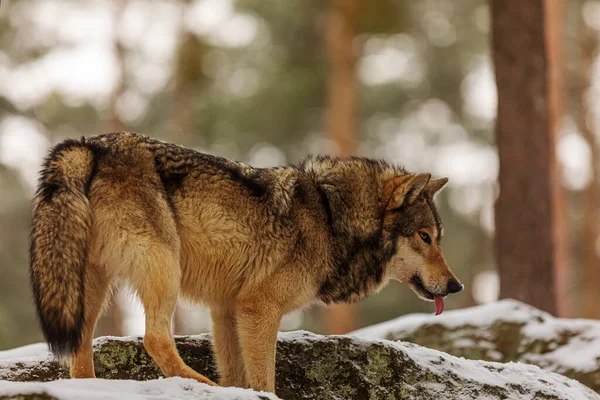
439	305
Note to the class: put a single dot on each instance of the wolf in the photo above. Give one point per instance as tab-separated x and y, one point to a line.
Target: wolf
251	244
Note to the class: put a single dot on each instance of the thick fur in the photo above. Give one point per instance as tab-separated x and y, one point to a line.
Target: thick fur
61	242
251	244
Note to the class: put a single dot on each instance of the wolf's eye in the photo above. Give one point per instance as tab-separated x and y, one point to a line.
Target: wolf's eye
425	236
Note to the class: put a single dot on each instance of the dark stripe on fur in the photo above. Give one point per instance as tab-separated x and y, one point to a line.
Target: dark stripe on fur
436	217
172	183
174	162
325	204
48	187
98	152
301	193
252	183
358	262
359	265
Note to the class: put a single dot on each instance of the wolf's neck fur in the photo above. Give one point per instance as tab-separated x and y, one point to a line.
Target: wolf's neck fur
350	191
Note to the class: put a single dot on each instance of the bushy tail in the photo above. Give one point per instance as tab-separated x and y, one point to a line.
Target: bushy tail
60	236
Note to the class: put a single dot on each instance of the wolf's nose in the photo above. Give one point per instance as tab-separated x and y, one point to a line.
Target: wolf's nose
455	286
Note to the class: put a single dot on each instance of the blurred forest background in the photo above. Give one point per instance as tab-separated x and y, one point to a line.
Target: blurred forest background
268	82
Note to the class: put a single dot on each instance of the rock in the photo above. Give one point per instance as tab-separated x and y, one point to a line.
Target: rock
101	389
311	366
505	331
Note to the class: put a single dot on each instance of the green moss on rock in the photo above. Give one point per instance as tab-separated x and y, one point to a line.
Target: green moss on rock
506	331
337	367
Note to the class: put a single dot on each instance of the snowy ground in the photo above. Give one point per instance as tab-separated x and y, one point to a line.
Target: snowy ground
100	389
31	350
316	367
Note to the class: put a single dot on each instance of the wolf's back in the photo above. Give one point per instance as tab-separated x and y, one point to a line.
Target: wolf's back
60	236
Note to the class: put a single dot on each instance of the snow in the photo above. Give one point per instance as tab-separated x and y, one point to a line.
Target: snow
581	353
27	356
30	350
507	310
97	389
530	378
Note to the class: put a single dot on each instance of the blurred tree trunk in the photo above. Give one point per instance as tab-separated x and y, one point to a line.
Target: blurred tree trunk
530	210
187	75
341	118
112	321
555	15
591	262
341	86
115	123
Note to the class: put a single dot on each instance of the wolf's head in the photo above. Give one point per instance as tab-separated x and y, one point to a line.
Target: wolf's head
411	214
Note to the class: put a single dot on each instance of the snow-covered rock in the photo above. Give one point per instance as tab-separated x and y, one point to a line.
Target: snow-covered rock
309	366
504	331
102	389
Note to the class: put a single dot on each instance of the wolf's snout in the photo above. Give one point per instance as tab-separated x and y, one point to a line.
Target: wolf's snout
455	286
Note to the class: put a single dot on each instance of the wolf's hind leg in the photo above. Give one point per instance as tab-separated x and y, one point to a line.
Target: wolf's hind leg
158	290
95	296
227	348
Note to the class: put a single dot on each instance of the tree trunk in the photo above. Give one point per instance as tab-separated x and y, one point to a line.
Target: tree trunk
188	75
555	19
341	118
115	123
591	262
530	212
341	87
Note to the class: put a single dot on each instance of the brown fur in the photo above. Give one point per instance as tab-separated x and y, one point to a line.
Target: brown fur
251	244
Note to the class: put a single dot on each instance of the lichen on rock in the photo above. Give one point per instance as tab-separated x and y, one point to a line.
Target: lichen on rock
505	331
311	366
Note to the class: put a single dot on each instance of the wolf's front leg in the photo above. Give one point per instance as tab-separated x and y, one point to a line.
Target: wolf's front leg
258	321
227	348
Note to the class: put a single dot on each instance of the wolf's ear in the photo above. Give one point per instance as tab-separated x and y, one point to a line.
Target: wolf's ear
404	189
435	185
